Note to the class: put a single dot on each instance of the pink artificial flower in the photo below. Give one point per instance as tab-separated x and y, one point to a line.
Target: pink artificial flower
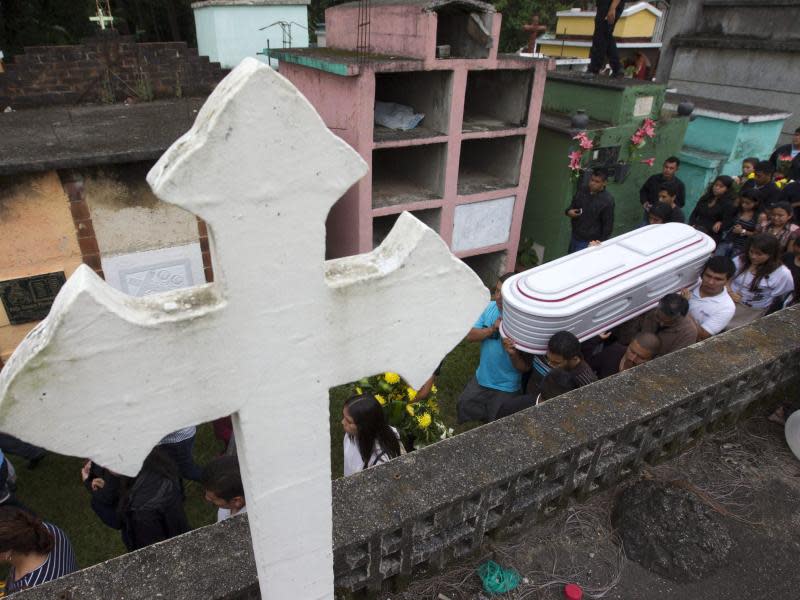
584	141
649	128
575	160
648	161
637	138
785	158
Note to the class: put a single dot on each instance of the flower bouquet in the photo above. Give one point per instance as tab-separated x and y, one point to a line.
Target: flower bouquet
417	420
576	157
639	140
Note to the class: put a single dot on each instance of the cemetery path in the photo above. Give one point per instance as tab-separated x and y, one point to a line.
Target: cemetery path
745	474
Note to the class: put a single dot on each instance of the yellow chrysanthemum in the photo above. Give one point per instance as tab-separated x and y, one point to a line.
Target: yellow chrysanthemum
410	409
424	420
358	390
391	378
434	389
380	399
412	393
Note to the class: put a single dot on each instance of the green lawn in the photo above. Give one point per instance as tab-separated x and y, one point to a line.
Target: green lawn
54	489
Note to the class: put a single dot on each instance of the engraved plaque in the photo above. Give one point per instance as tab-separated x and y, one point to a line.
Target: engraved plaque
155	271
30	298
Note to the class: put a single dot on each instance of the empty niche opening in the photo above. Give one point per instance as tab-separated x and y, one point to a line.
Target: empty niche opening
488	266
463	32
426	92
409	174
497	99
381	226
489	164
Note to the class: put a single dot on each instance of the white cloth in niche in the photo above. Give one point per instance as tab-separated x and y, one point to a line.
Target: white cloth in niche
353	463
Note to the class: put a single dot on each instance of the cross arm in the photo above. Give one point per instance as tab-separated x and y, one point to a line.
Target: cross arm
386	304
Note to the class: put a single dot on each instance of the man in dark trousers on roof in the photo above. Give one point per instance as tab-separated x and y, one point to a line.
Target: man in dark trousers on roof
592	212
603	43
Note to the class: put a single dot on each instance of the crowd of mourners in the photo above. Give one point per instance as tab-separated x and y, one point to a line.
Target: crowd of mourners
754	270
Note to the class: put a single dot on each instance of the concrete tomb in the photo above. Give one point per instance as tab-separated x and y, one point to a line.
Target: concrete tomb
106	375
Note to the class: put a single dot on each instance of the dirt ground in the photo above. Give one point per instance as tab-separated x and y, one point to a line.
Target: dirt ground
746	474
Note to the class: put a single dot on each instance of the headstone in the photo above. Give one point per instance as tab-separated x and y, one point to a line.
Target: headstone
265	342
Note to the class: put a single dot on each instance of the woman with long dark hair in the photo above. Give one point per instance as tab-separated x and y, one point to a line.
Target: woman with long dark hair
715	210
761	279
37	552
368	439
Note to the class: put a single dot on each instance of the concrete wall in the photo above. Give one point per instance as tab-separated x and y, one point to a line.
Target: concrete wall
129	218
229	33
736	50
106	69
761	78
423	510
37	236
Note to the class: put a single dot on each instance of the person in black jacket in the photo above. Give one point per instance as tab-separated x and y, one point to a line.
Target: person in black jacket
792	152
769	193
715	210
592	212
648	193
147	508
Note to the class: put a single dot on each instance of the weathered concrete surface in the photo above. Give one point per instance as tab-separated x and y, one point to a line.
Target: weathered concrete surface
746	51
439	502
41	139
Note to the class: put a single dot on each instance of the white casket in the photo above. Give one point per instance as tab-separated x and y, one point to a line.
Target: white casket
593	290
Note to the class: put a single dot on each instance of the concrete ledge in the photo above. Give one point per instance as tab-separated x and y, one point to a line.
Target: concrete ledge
41	139
228	3
735	42
437	504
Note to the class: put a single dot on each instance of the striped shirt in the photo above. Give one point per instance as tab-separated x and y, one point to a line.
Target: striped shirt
59	562
178	436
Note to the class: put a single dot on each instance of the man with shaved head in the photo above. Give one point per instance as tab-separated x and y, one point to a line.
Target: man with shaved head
617	357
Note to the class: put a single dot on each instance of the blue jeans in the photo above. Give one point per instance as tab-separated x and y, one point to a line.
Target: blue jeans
575	244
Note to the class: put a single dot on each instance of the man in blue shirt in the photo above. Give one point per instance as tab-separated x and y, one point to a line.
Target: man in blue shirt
499	373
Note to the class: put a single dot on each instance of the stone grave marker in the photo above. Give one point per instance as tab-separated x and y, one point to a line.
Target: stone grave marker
107	375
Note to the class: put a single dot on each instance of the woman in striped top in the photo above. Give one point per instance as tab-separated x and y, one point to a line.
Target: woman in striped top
36	551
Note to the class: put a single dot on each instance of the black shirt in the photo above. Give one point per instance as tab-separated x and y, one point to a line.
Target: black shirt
676	216
794	166
649	191
768	194
597	219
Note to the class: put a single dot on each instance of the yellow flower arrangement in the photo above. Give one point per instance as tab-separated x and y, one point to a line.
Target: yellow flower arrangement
416	418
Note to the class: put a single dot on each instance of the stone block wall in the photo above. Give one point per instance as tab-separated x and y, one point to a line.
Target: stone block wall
426	508
106	69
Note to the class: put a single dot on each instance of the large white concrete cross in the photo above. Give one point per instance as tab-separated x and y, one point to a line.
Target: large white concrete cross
107	375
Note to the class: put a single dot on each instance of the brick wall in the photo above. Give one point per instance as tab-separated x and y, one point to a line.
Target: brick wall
109	68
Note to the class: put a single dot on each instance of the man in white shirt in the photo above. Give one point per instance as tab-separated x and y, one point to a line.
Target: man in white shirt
222	484
710	305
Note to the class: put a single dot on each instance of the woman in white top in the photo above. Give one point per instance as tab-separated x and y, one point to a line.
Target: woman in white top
368	439
760	279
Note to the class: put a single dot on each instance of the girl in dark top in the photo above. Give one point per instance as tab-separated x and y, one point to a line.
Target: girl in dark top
714	211
37	552
744	226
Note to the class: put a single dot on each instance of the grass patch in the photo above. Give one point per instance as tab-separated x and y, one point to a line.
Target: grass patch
55	492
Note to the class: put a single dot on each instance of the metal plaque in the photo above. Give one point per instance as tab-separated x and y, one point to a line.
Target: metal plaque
30	298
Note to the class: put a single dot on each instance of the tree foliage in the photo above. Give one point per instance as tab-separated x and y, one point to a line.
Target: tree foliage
45	22
517	13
